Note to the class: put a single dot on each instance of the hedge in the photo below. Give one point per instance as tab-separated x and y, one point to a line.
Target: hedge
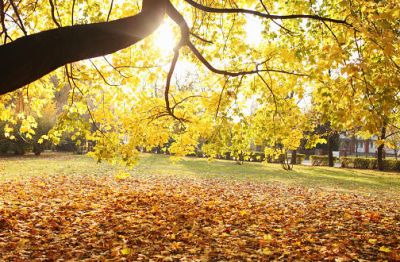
258	156
199	153
281	158
359	162
369	163
274	159
391	164
300	158
321	160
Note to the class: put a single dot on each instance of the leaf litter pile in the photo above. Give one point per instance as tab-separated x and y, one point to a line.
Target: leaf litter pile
165	218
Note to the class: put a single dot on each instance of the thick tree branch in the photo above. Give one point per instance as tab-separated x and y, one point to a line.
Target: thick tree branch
168	84
256	13
185	41
31	57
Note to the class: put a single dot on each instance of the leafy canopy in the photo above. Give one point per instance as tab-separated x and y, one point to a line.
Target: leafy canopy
340	56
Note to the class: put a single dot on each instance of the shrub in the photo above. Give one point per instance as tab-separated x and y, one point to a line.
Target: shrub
258	157
276	159
321	160
347	161
365	163
227	155
391	164
369	163
300	158
199	153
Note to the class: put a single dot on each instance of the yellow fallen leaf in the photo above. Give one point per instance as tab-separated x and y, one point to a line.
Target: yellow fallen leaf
126	251
23	241
385	249
121	175
266	251
268	237
372	241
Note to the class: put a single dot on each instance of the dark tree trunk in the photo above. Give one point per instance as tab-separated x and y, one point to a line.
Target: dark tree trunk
332	138
380	150
294	157
330	150
31	57
38	149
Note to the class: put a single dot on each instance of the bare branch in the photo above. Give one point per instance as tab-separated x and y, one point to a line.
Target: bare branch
102	76
168	84
220	97
183	100
110	10
115	68
234	74
21	24
201	39
53	16
2	21
272	93
72	12
284	28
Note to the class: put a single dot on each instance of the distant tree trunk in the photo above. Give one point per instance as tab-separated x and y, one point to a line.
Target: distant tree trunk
38	149
333	137
330	150
294	156
380	150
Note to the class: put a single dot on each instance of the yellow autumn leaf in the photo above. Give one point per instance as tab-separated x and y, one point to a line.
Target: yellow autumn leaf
372	241
126	251
121	175
268	237
266	251
385	249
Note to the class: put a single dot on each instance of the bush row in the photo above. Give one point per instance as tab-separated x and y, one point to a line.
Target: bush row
321	160
369	163
256	157
281	157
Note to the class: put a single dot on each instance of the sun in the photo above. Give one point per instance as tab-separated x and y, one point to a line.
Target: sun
164	38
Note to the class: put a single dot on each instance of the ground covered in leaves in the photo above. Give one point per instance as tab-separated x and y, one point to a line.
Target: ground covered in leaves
165	218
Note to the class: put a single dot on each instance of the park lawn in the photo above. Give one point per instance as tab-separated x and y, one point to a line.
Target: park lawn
332	179
63	207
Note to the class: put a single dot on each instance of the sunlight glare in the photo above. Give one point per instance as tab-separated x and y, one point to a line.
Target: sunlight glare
165	38
253	29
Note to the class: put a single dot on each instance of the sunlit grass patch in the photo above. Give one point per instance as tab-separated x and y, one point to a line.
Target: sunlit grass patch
333	179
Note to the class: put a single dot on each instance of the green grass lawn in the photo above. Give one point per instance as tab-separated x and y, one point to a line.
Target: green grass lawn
332	179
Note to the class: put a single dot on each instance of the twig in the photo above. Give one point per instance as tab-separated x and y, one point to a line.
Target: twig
53	16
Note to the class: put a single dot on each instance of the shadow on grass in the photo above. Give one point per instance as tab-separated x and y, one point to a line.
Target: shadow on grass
337	179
